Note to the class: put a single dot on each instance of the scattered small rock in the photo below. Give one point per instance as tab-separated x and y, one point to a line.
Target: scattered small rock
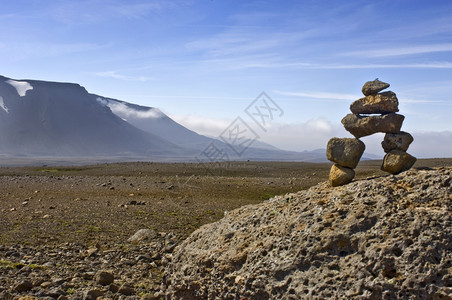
23	286
103	277
93	294
126	290
142	235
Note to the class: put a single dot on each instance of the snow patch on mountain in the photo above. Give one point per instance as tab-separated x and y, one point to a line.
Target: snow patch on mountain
125	112
2	104
21	86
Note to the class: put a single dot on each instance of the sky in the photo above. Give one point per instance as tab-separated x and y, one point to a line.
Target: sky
204	62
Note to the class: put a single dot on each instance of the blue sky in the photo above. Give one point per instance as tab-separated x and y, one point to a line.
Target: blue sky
203	62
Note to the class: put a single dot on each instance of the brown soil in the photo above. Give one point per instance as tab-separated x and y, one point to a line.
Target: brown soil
107	203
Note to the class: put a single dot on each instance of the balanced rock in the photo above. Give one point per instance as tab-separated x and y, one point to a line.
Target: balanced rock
397	141
360	126
345	151
382	103
341	175
397	161
373	87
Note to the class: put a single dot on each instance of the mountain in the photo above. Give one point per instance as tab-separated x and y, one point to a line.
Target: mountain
39	118
152	120
54	119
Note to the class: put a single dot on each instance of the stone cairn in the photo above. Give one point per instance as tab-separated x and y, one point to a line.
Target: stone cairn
376	112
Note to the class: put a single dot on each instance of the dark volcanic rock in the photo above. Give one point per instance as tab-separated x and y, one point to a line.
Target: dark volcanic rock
360	126
345	151
397	141
384	238
373	87
397	161
382	103
104	277
24	286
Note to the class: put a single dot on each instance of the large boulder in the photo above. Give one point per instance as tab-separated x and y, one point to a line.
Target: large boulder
373	87
361	126
345	151
397	161
397	141
341	175
356	241
382	103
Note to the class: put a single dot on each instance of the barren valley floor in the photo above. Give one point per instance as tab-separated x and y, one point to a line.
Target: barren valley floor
77	219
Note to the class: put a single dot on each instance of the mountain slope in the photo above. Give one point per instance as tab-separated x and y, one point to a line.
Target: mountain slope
39	118
48	118
152	120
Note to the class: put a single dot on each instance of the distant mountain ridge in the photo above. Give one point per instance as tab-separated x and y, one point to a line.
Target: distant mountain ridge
41	118
61	119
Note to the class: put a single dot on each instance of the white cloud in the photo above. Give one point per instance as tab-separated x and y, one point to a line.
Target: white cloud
310	135
431	144
126	112
203	125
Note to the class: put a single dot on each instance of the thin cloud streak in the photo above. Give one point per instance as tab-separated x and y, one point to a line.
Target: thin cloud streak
319	95
421	49
239	63
115	75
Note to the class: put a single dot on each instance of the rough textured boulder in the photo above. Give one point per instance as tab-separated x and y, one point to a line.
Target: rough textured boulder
373	87
383	238
382	103
360	126
345	151
397	161
397	141
341	175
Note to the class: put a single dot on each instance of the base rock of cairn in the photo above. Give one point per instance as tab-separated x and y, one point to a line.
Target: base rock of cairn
397	161
341	175
376	112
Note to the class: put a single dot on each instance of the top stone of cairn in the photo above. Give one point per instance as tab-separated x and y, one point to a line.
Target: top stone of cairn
373	87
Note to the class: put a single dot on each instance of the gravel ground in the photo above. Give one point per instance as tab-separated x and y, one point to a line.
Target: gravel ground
61	228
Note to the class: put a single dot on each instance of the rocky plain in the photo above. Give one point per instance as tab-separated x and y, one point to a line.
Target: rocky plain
248	230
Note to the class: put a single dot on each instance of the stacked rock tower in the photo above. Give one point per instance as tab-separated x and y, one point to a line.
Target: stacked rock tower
376	112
